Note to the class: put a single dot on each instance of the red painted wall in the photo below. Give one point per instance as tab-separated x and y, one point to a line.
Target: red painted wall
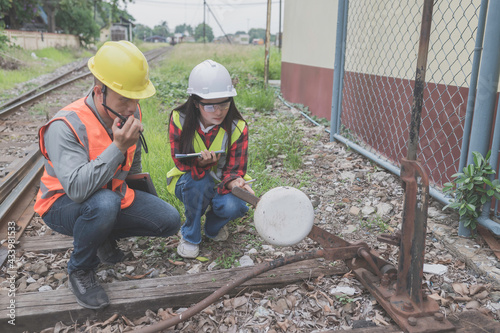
377	110
308	85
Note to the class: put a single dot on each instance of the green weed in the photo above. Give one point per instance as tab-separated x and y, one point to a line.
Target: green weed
376	222
228	261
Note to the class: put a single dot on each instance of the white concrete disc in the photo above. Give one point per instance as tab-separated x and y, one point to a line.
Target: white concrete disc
284	216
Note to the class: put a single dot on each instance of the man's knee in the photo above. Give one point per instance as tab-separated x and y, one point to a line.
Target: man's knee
171	221
104	205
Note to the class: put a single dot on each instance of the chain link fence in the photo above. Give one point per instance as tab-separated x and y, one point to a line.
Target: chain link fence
380	62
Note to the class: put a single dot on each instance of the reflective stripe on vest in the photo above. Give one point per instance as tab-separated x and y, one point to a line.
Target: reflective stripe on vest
92	135
219	143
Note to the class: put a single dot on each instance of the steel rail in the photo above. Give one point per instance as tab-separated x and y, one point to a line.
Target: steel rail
19	178
34	90
29	97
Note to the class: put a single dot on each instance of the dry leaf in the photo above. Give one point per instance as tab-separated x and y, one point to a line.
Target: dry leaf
165	314
444	261
136	277
462	298
59	327
349	275
239	301
209	311
110	319
380	319
435	297
328	298
283	325
482	295
308	286
291	301
142	320
319	278
459	264
472	305
486	312
461	288
476	288
176	263
127	321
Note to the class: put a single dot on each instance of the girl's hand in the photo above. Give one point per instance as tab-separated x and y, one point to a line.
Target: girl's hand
239	182
207	158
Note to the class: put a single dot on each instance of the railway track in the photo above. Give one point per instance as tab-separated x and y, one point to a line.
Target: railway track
20	169
21	163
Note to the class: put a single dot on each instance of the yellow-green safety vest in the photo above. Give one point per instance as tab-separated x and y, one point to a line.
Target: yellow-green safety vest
219	143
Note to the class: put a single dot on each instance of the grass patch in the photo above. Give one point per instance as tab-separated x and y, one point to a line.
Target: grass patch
170	78
228	261
32	64
258	98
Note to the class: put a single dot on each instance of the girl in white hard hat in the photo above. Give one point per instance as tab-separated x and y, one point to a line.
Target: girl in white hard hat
210	124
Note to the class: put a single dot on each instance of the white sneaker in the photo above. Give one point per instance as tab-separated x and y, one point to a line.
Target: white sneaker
188	250
223	235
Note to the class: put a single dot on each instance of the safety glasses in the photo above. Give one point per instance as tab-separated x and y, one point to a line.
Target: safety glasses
222	106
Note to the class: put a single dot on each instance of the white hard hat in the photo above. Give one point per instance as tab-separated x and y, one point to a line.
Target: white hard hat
210	80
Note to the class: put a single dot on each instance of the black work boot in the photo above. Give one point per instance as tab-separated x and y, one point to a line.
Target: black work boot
109	253
87	289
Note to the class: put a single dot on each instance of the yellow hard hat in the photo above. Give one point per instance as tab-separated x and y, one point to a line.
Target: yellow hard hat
122	67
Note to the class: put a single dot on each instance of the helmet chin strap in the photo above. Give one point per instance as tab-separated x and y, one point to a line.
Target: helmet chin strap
104	91
122	118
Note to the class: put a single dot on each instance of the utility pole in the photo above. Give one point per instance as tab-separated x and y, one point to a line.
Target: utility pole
268	42
204	6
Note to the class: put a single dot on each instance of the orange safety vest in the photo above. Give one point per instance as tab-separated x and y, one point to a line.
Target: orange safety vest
92	135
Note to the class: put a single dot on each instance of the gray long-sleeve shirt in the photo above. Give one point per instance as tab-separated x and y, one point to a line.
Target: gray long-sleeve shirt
79	176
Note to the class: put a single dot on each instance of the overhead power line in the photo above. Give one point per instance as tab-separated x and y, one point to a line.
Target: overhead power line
163	2
210	10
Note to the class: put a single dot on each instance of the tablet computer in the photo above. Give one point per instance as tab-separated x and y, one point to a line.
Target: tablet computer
141	182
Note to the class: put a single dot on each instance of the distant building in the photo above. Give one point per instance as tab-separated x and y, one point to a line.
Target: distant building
121	30
241	39
157	39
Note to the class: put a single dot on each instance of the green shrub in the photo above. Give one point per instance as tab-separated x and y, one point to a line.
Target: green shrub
469	189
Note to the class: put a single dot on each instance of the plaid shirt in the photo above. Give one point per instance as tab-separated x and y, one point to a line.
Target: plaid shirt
235	167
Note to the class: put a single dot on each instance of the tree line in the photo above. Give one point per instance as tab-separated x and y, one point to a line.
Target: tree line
85	19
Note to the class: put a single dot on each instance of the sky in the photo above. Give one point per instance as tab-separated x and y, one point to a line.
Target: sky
232	15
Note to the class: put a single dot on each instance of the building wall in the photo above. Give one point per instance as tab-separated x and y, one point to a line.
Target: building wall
309	37
308	53
35	40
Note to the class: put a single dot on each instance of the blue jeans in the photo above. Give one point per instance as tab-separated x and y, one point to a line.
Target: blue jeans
100	218
196	195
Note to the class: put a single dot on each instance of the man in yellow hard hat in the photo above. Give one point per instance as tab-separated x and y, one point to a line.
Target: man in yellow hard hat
90	147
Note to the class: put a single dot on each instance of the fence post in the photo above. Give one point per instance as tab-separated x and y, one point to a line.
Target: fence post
471	99
484	109
339	50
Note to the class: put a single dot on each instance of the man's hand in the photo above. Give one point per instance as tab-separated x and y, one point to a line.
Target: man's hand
207	158
128	135
239	182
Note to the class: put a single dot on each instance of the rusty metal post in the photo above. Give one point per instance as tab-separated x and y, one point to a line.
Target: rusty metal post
404	300
412	248
418	91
